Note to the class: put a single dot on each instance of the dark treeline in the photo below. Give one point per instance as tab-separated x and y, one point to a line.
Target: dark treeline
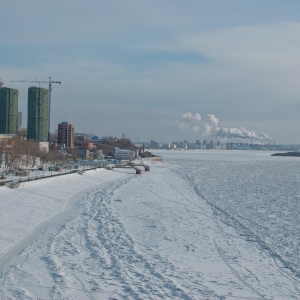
17	154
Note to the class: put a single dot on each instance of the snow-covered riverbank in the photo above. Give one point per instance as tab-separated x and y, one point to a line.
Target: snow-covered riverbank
117	235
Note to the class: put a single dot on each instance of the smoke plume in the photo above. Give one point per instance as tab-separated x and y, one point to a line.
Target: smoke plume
209	127
190	122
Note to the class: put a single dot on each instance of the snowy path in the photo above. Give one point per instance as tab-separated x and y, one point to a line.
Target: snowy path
140	237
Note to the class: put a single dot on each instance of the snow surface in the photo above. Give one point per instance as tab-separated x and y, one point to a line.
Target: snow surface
200	225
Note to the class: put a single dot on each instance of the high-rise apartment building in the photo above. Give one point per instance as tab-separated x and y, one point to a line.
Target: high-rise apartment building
66	135
20	120
8	110
37	114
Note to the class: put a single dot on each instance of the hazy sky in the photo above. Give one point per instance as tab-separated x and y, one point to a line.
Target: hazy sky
166	70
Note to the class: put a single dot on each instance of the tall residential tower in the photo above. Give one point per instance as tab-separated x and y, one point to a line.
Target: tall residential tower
66	135
37	117
8	110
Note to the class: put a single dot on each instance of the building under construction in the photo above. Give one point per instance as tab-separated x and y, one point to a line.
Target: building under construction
66	135
37	117
8	110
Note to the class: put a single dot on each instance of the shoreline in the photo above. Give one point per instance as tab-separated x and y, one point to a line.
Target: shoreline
50	224
45	203
155	235
290	154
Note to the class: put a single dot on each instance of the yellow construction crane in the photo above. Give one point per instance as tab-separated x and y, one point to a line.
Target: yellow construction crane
50	81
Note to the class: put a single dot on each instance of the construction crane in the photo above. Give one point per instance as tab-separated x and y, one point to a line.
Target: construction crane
49	96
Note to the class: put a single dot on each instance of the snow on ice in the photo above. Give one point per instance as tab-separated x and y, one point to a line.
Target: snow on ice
200	225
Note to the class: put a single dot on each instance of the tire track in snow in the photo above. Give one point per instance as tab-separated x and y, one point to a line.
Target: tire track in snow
192	281
238	275
133	268
35	249
99	239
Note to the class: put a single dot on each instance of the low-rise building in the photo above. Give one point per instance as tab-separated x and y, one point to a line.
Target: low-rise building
98	154
44	146
124	154
82	153
88	146
6	137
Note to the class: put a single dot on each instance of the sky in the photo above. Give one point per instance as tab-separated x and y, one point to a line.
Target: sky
167	70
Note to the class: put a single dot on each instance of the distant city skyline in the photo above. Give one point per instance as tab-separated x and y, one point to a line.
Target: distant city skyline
165	71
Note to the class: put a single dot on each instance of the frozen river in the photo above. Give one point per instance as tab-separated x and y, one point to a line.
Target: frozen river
256	193
200	225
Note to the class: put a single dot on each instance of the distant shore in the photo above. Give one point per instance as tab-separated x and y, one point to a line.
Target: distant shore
297	154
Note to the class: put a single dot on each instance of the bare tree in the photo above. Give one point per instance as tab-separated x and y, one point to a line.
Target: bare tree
16	153
30	151
2	151
44	157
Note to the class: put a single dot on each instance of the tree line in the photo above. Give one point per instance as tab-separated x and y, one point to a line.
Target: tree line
16	154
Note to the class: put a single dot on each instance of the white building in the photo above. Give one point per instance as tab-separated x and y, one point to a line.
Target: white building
124	154
44	146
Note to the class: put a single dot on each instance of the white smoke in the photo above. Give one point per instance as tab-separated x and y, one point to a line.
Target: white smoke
265	137
211	125
189	116
190	122
241	133
210	128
